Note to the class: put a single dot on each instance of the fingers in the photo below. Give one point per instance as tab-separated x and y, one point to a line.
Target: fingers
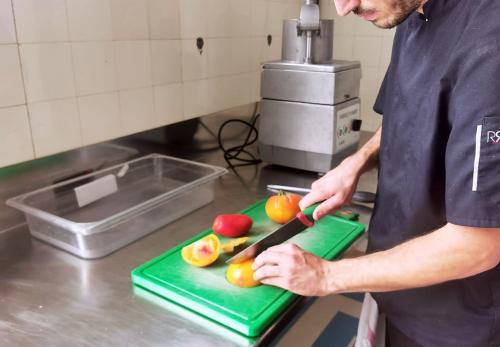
268	257
285	248
272	262
329	206
311	198
280	282
267	271
276	255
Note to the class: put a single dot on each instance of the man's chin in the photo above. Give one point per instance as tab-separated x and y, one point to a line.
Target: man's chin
385	24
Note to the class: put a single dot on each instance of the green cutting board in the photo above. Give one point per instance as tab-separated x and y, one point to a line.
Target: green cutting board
206	291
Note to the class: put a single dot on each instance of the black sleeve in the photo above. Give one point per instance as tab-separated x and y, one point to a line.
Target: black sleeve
473	149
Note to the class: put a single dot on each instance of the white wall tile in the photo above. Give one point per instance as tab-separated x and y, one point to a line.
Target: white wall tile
197	98
15	134
389	32
194	19
259	52
169	103
11	81
99	117
41	21
7	32
164	19
382	70
343	47
194	65
133	64
218	12
255	86
221	99
292	10
137	110
241	18
274	51
259	17
386	52
89	20
241	89
371	120
94	67
166	58
130	19
241	55
55	126
365	28
345	25
367	49
276	14
48	71
327	8
219	60
369	82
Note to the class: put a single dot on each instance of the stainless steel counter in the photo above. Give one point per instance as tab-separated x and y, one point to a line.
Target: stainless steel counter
51	298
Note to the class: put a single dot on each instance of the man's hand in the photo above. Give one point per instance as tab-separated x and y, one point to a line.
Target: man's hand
337	186
449	253
289	267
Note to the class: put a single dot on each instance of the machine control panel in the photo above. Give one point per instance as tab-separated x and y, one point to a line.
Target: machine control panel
347	127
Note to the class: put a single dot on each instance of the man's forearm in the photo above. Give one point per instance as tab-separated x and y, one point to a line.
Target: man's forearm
449	253
366	158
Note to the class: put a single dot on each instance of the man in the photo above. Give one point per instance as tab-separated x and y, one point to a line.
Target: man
434	238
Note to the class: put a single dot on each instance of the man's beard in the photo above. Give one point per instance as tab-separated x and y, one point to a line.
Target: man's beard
401	10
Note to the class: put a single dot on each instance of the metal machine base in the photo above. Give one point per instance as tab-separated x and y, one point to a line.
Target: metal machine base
304	160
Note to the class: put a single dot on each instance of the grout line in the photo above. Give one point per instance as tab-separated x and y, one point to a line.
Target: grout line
115	70
151	72
23	79
73	73
145	39
12	106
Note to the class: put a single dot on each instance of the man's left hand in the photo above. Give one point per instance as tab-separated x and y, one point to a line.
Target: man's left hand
289	267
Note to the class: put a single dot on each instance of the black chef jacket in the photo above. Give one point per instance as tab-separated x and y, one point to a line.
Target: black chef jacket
440	162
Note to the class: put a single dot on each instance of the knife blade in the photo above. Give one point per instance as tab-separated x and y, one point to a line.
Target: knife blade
302	221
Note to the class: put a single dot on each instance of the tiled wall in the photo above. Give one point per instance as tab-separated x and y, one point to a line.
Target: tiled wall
356	39
77	72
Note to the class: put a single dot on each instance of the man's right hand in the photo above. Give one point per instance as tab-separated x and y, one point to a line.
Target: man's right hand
336	188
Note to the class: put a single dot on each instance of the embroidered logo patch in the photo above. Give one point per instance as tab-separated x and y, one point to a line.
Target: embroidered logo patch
493	137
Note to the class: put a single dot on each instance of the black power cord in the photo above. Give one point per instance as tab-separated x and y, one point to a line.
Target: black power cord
238	153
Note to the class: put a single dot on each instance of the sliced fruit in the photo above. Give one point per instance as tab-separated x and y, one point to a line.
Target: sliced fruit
232	225
203	252
241	275
229	246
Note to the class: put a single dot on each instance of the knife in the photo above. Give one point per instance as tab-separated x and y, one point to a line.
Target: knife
302	221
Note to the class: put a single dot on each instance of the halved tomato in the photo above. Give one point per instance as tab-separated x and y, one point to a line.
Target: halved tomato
203	252
241	275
